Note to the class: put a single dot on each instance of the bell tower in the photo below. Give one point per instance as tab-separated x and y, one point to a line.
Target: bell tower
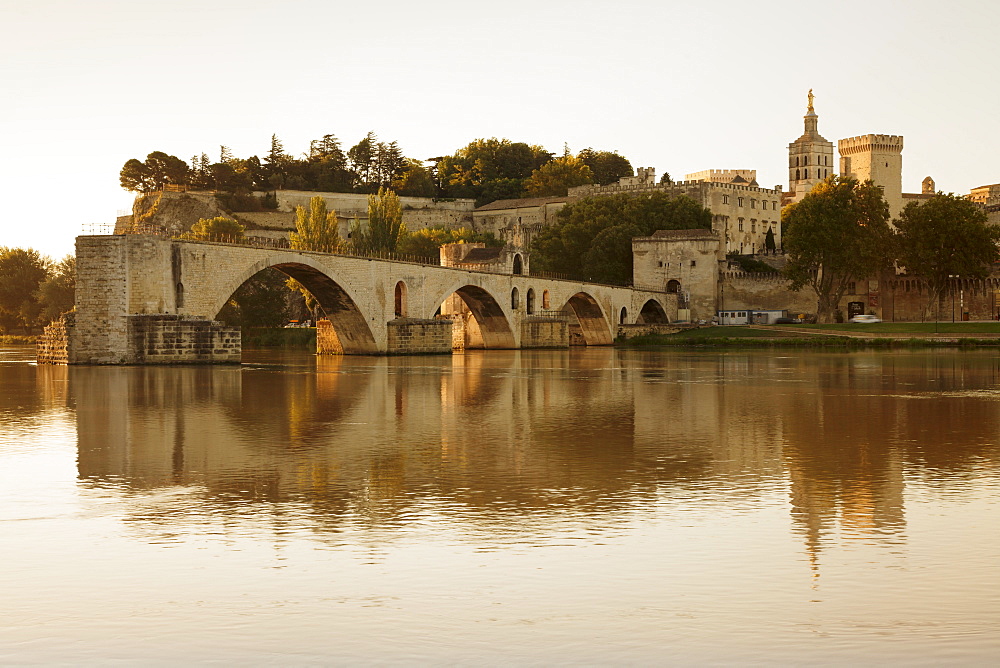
810	157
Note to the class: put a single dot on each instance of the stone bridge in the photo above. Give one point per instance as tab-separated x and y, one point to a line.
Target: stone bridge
145	299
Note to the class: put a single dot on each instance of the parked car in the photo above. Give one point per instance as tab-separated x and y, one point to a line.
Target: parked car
786	321
864	317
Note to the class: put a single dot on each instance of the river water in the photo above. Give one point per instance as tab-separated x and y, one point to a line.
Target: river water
590	506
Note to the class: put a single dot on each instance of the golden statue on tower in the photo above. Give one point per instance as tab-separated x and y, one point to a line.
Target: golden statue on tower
811	110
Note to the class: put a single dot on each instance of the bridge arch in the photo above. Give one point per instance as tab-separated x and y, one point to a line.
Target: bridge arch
593	325
652	312
491	321
339	306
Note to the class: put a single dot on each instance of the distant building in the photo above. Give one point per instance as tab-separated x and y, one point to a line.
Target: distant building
988	197
742	211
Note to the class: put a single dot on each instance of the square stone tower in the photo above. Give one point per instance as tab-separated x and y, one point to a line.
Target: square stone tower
878	158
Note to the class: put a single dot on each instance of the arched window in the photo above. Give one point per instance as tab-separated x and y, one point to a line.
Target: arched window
400	300
797	175
545	300
805	173
517	265
529	301
179	295
674	286
623	316
796	161
515	299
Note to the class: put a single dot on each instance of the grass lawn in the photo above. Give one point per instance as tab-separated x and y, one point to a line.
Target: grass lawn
904	327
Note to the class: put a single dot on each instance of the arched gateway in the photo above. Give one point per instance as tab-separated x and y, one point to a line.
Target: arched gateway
143	299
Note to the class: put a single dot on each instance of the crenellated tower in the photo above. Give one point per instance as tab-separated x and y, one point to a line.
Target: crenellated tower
810	157
878	158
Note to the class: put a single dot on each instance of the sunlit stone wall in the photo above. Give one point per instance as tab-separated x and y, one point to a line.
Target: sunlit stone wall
415	336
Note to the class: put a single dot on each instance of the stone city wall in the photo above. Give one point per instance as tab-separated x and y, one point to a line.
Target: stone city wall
739	290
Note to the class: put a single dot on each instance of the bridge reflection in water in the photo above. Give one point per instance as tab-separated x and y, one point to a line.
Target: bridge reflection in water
543	434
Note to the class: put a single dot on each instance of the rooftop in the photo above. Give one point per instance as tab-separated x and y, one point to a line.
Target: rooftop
519	203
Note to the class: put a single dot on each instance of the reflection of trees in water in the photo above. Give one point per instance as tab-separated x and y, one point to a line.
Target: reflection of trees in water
508	437
870	423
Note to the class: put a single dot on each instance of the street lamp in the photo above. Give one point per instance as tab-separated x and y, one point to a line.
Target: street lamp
951	289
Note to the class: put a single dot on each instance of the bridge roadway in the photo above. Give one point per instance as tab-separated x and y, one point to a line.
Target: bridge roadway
122	276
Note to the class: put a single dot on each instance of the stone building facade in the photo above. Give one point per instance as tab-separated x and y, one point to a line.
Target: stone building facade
686	262
517	221
742	212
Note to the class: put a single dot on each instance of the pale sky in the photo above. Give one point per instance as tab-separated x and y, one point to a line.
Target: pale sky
679	86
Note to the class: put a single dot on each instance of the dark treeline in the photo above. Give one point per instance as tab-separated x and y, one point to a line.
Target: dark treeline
485	170
33	289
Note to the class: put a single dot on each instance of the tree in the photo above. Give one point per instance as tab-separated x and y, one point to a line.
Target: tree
390	164
592	237
556	177
476	169
945	237
262	301
214	229
606	166
328	164
385	224
426	242
57	293
157	170
363	162
415	181
837	234
316	229
135	177
21	273
769	245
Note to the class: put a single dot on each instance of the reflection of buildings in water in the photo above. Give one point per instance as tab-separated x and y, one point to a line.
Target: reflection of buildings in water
518	433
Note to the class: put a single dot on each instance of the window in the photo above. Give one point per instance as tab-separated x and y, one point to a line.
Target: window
741	225
753	225
693	262
515	300
725	199
796	161
805	173
739	201
797	175
660	263
805	160
753	203
851	288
